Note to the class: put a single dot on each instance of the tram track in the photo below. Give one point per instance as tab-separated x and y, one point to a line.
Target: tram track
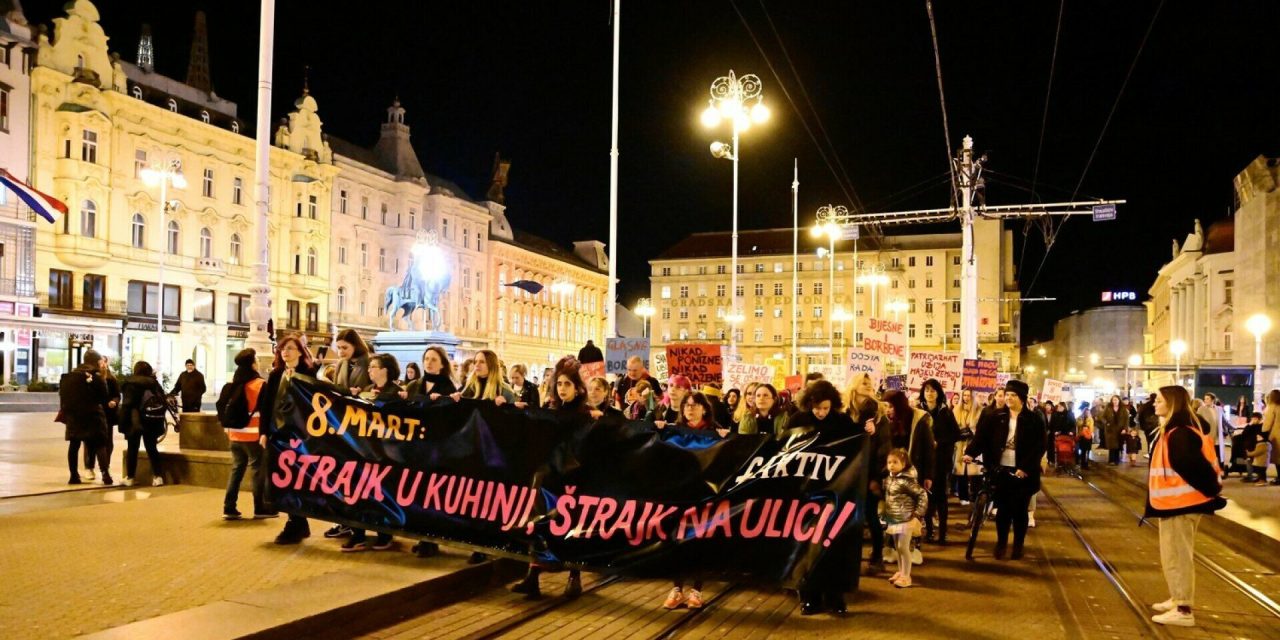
1114	576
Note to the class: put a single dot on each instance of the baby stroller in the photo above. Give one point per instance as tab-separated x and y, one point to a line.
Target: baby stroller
1064	449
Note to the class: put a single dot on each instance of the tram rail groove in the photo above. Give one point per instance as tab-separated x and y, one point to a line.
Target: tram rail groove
1108	570
502	626
1261	599
698	615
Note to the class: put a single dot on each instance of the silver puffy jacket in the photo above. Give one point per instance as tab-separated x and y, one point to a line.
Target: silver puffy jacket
904	498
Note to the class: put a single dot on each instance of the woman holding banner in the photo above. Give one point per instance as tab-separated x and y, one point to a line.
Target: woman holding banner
292	357
865	409
946	432
437	377
486	382
570	396
767	417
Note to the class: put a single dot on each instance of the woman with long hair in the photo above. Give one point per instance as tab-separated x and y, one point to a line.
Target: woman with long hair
486	382
135	390
292	357
747	405
1182	486
436	380
766	416
732	398
570	397
352	372
698	414
599	394
912	429
865	409
1115	421
946	433
412	372
526	391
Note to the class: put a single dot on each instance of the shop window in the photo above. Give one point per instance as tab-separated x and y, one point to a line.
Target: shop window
202	306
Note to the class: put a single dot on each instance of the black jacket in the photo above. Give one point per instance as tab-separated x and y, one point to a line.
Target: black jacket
590	353
993	432
528	393
190	386
82	395
419	390
1062	422
267	398
388	393
113	393
132	389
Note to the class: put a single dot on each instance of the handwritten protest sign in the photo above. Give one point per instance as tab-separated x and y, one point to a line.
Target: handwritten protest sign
738	374
862	361
794	384
945	367
885	337
834	373
1053	391
700	362
979	375
619	350
660	366
1002	379
896	382
592	370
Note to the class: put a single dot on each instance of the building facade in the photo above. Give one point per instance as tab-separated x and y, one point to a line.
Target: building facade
98	123
18	223
690	282
1086	348
1216	279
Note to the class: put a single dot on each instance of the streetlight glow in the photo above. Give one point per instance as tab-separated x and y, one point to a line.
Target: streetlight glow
1177	348
1093	358
711	117
1258	324
1135	360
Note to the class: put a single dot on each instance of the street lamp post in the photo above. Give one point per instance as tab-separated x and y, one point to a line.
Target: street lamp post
163	174
841	316
1258	324
729	97
1133	361
1177	348
831	231
645	310
873	277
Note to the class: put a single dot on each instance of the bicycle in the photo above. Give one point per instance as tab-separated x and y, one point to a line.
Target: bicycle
983	506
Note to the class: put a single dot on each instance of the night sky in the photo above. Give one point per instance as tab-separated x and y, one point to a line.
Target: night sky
532	80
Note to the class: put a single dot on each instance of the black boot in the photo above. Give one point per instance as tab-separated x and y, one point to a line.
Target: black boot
574	588
810	603
1017	550
425	549
1001	547
835	603
529	585
295	530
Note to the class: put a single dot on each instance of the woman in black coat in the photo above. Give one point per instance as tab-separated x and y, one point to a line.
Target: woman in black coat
437	378
291	357
1014	456
81	396
946	432
135	390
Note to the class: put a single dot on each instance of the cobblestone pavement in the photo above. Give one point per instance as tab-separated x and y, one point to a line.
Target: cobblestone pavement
86	561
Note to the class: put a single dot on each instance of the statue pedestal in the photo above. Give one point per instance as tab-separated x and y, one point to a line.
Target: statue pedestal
407	346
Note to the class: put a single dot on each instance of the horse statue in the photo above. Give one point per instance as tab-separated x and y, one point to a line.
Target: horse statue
397	299
430	300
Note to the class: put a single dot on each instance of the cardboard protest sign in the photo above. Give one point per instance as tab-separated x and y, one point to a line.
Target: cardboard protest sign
946	367
592	370
795	384
1053	391
619	350
862	361
836	374
885	337
895	383
660	366
700	362
1002	379
738	374
979	375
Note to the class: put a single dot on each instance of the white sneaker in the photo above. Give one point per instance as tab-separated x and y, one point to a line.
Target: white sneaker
1031	520
157	481
127	481
87	474
917	558
1162	607
1175	618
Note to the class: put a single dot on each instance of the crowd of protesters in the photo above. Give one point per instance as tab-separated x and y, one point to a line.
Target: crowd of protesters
926	448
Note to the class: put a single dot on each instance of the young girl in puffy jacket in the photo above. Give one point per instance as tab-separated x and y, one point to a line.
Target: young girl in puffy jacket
905	503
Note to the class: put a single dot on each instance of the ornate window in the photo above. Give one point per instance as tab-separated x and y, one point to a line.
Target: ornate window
173	237
206	243
88	219
312	261
139	231
234	258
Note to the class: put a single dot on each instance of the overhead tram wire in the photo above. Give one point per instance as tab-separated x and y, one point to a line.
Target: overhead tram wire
821	152
1044	120
1098	143
857	201
942	99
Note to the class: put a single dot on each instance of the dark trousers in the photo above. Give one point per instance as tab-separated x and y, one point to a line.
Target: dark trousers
94	450
1012	497
938	504
874	526
1113	454
148	439
1083	447
244	454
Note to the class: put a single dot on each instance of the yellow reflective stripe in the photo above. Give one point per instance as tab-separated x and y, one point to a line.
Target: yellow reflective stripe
1178	490
1163	472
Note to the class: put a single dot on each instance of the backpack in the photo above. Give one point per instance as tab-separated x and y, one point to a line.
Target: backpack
154	406
234	413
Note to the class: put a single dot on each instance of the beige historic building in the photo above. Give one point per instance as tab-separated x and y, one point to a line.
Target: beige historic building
1218	278
690	282
98	123
18	223
1086	348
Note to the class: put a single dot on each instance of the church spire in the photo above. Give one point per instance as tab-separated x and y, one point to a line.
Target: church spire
146	53
198	67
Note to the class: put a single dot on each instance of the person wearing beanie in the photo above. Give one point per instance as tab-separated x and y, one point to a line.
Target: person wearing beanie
190	386
82	395
1011	443
678	386
238	412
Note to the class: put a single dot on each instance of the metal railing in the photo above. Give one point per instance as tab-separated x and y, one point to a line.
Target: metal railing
17	287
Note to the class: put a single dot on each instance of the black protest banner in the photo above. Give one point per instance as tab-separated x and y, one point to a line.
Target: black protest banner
565	490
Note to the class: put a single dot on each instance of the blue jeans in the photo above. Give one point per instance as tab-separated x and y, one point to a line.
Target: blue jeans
242	454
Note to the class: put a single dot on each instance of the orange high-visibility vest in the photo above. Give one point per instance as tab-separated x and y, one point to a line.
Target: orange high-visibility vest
250	433
1166	489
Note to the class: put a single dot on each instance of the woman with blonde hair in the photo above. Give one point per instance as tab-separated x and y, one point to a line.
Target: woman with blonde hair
485	382
747	405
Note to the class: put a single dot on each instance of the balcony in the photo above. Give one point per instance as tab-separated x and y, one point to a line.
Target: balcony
209	271
77	306
81	252
305	287
18	287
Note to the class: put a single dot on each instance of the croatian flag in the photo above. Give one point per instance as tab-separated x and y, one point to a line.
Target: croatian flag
41	203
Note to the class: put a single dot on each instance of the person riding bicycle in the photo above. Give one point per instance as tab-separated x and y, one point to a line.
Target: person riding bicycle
1011	443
